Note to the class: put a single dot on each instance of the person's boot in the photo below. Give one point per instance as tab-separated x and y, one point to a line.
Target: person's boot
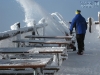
80	53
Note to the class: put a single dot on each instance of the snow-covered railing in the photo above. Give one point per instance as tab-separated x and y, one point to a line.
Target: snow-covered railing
63	24
15	29
11	33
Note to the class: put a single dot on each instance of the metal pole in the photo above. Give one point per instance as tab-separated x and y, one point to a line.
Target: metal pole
18	35
99	17
35	71
90	23
99	22
44	31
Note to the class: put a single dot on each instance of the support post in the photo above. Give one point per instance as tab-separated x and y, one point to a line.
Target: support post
99	17
90	23
18	36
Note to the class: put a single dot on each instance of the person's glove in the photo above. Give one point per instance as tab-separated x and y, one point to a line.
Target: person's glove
70	32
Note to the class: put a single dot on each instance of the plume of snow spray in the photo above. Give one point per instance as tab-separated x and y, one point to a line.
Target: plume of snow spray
32	11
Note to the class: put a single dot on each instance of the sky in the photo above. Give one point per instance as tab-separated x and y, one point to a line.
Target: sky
12	12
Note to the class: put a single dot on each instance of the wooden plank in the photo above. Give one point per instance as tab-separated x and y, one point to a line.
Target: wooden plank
31	50
25	63
18	72
54	37
15	50
52	68
42	41
49	72
50	52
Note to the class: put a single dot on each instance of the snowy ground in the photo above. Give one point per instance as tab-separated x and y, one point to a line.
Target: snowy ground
86	64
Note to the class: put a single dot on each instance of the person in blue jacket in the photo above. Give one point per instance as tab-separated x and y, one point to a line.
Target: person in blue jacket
80	25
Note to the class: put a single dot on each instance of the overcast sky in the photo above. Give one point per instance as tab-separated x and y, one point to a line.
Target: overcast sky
12	12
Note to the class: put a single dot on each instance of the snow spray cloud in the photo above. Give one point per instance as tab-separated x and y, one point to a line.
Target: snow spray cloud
32	10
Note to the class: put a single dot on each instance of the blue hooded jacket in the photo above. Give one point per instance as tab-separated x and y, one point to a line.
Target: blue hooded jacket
79	23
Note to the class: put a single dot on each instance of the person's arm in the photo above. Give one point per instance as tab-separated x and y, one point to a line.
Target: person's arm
86	26
72	25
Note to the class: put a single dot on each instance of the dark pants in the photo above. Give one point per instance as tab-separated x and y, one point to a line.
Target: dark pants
80	41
